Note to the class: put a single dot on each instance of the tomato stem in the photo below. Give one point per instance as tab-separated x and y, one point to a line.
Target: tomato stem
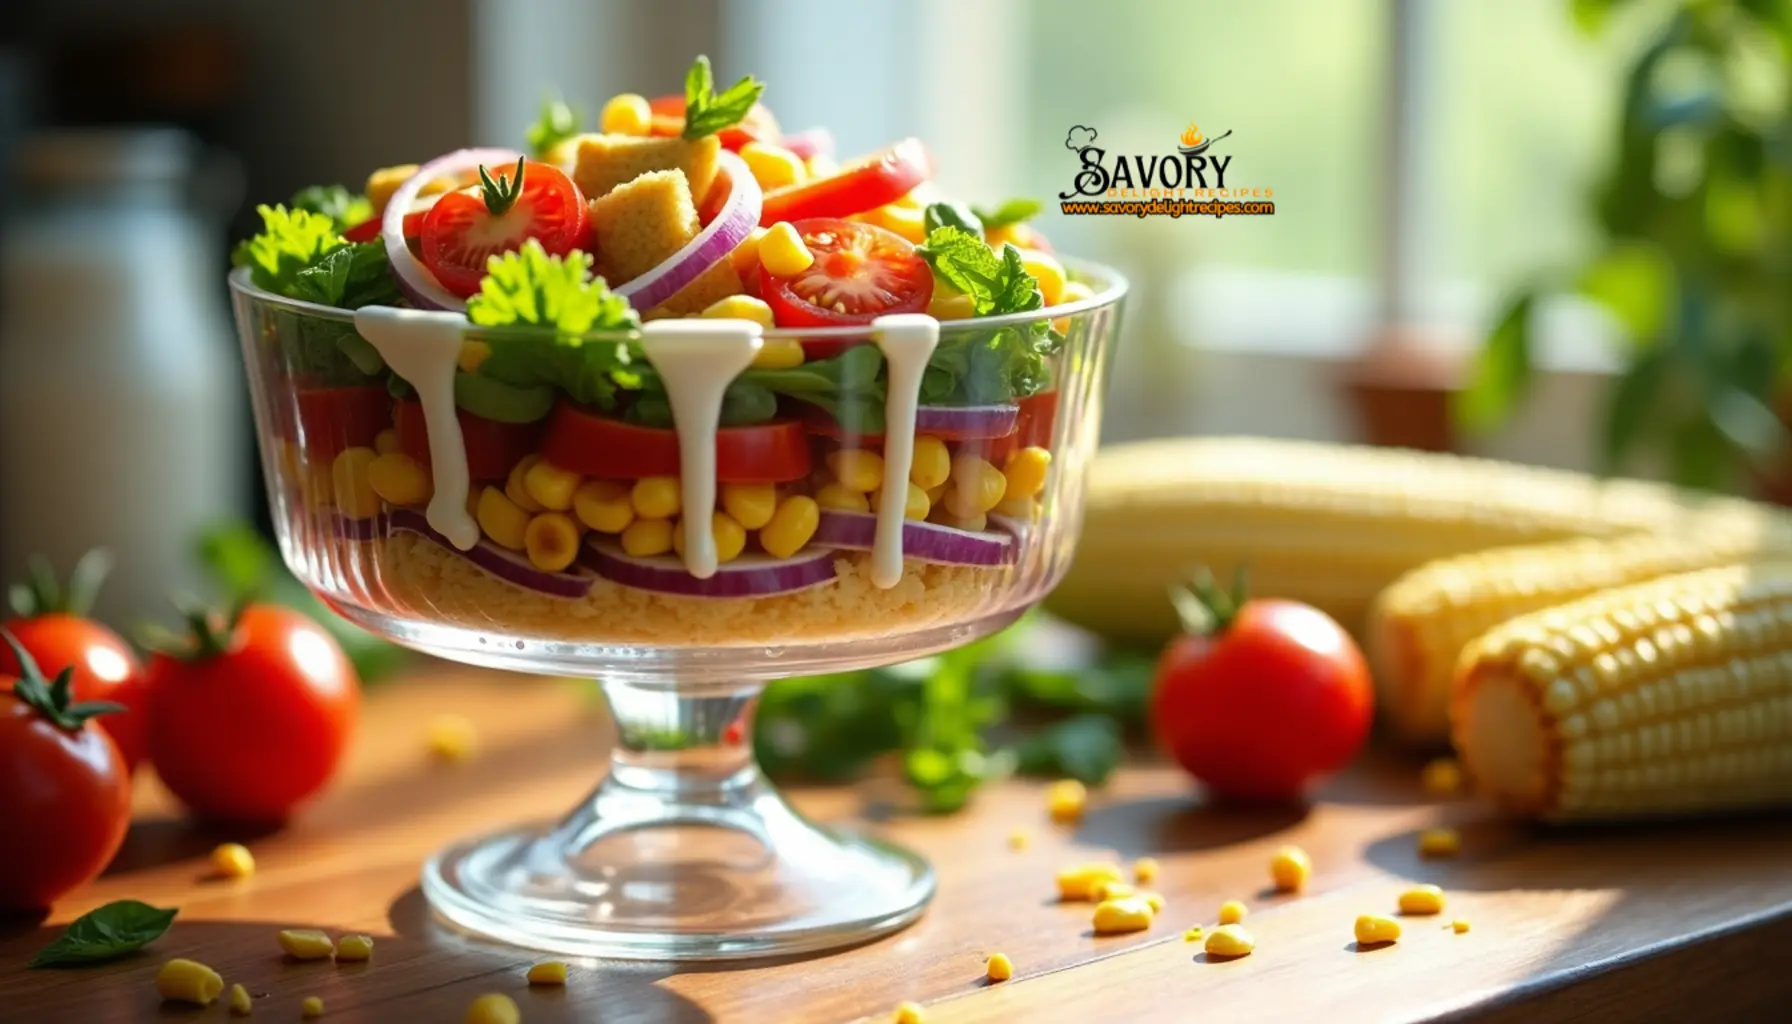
208	633
501	193
43	594
52	699
1205	608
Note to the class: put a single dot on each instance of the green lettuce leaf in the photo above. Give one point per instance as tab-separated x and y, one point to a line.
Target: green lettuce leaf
994	366
529	288
344	208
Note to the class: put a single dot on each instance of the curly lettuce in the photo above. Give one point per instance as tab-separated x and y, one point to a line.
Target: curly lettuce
529	288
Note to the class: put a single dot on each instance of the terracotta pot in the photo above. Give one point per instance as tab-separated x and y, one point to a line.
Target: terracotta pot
1401	387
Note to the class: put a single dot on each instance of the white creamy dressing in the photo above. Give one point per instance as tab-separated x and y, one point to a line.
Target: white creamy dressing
423	347
697	360
907	341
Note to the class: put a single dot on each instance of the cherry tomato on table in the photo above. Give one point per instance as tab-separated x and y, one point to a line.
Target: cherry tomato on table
864	184
466	228
1261	696
254	717
861	272
52	626
601	446
65	793
492	447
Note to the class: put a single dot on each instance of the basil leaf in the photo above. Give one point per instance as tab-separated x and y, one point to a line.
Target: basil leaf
706	113
1013	211
106	933
955	215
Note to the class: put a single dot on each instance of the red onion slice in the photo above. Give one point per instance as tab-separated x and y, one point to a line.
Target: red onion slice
414	279
967	422
496	561
929	542
809	142
738	217
746	576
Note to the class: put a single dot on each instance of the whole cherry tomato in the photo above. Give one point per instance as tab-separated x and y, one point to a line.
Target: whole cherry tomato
65	794
254	716
1261	696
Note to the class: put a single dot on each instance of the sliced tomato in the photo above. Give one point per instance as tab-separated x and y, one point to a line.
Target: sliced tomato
460	232
864	184
602	446
492	447
1032	429
860	273
334	419
758	126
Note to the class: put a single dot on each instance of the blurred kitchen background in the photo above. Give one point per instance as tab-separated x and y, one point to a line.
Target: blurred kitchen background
1431	160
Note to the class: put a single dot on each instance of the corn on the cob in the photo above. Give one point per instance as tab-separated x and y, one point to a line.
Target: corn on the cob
1327	524
1667	697
1421	622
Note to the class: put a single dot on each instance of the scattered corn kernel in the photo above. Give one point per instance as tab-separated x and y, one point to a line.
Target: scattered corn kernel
604	506
306	944
1290	868
857	469
1376	929
783	253
1459	926
626	114
1230	940
746	307
451	738
746	255
951	305
232	860
751	505
914	506
501	519
1439	842
730	539
1152	898
909	1013
1232	912
188	981
791	526
348	480
773	166
1442	777
647	537
514	488
1025	472
779	354
1000	967
657	497
1127	914
386	442
1045	269
240	1003
399	479
1422	899
494	1008
834	494
548	972
1113	889
1079	882
1192	935
931	465
312	1008
1019	839
1065	799
354	948
550	486
1144	870
977	486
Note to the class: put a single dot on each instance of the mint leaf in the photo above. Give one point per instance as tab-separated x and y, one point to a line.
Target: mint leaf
529	288
1014	211
706	113
557	123
106	933
957	215
344	208
996	284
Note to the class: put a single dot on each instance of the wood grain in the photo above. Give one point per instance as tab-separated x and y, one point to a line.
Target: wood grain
1629	924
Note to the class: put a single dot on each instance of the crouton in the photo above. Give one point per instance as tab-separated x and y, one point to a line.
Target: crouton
606	161
641	223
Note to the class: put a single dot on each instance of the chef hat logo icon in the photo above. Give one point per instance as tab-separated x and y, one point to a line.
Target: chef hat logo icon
1079	138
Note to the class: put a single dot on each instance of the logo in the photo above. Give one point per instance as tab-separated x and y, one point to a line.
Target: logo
1194	179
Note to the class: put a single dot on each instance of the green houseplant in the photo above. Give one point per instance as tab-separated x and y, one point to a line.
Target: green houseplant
1696	266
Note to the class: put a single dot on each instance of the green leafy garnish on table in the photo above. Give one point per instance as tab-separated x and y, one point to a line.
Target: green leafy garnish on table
529	288
557	123
106	933
705	112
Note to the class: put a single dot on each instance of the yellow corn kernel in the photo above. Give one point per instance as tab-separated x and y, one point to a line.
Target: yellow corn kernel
1192	935
1459	926
240	1003
1232	912
315	477
822	165
646	537
837	496
1376	929
188	981
783	253
773	166
312	1008
514	486
501	519
1000	967
1127	914
932	463
857	469
914	506
977	486
937	493
791	526
1024	509
899	218
1230	940
951	306
779	354
972	524
548	972
742	307
657	497
909	1013
1422	899
1111	889
1442	777
1078	882
1290	868
745	256
1153	899
399	479
1439	842
348	480
451	738
354	949
233	860
550	486
493	1008
1065	800
306	944
626	114
551	541
473	355
1025	472
730	539
1145	870
751	505
381	184
1019	839
603	505
386	441
1045	269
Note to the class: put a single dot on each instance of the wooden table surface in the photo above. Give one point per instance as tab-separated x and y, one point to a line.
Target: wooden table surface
1665	922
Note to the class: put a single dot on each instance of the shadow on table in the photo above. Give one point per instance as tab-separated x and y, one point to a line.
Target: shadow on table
1159	825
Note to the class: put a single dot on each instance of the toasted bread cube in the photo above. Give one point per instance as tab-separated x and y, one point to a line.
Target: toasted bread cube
607	161
642	223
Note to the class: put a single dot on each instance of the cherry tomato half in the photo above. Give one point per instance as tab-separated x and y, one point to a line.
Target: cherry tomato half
334	419
460	232
758	126
861	185
492	447
105	669
860	273
600	446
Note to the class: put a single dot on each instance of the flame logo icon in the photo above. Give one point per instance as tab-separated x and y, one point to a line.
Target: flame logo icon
1194	142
